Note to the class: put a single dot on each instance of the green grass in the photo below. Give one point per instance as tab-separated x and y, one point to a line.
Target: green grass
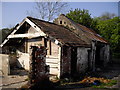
105	85
113	82
101	86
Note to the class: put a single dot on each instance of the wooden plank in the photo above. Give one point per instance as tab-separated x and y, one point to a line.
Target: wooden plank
52	65
54	71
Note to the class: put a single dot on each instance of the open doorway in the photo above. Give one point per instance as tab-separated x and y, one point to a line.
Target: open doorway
73	61
99	56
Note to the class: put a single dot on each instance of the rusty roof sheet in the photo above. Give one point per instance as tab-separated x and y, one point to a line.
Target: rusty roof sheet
92	34
62	34
89	33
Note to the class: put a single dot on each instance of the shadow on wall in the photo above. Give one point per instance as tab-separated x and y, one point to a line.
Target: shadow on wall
19	64
19	60
116	60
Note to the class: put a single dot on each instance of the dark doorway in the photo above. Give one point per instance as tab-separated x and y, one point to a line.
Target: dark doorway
98	58
73	61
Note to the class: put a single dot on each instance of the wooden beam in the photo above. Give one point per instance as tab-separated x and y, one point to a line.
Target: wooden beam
4	42
24	35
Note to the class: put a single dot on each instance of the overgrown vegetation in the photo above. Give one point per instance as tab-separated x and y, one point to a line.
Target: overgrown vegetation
109	29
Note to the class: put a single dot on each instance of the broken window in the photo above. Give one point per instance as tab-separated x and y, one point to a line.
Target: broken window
64	22
60	22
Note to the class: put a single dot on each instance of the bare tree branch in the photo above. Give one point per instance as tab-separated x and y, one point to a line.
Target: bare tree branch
48	9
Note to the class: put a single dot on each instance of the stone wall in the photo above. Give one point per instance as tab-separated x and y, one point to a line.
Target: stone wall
82	59
105	54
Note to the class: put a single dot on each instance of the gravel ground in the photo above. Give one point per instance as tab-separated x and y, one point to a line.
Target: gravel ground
13	81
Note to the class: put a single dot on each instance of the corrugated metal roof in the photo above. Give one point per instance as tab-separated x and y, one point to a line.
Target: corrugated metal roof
62	34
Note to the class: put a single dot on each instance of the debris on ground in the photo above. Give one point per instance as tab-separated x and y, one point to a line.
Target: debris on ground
94	80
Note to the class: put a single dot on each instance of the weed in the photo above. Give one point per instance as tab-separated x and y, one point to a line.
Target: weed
105	85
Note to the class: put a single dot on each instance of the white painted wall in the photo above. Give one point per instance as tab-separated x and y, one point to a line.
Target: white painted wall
4	65
23	60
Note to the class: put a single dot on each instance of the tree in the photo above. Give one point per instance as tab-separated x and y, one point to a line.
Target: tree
109	29
4	33
81	16
47	10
